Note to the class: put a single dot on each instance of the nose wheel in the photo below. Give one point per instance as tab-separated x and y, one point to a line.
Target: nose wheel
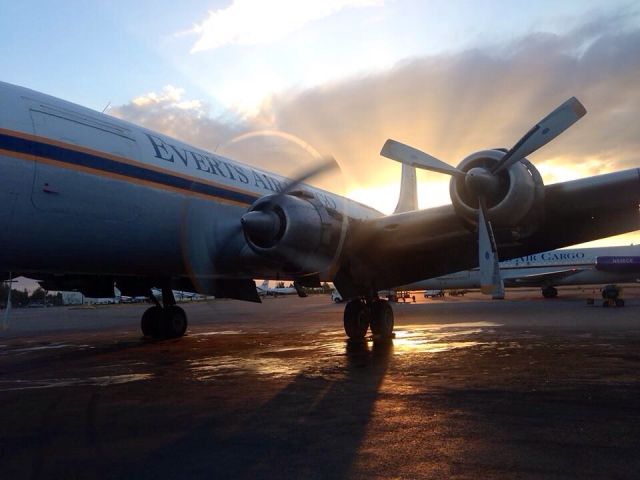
166	320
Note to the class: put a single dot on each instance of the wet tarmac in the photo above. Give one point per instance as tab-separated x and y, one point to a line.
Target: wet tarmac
469	388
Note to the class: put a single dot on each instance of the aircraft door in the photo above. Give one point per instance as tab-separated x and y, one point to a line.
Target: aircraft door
16	167
74	164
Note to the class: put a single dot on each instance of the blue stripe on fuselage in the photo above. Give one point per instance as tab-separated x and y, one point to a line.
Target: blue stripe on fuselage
73	157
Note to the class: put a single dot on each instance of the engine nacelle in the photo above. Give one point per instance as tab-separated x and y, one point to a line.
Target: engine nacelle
516	203
297	231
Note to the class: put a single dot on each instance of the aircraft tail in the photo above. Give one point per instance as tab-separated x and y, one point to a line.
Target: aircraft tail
408	198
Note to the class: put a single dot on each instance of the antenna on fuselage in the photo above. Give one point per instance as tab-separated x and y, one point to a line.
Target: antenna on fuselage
108	105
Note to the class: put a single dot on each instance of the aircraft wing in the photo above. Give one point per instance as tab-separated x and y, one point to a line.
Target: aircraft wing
407	247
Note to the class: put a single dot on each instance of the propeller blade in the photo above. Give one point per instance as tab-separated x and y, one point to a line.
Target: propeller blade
326	164
413	157
490	280
546	130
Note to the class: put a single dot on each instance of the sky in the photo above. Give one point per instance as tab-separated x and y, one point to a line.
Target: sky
276	83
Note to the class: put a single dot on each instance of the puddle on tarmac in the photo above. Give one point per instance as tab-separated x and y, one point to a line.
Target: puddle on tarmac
438	338
50	346
291	360
221	332
211	367
10	385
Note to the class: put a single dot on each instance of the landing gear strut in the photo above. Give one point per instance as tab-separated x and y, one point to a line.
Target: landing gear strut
360	315
166	320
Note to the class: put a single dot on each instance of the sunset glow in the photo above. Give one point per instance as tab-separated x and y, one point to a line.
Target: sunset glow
345	75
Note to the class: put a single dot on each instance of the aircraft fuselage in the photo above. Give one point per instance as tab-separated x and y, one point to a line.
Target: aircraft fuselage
123	196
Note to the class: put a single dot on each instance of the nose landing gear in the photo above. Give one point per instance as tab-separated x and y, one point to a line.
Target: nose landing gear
166	320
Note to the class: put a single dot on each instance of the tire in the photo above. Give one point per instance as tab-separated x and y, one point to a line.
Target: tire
150	322
381	319
174	322
356	319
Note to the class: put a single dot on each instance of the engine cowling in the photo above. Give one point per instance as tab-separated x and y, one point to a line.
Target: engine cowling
296	230
515	202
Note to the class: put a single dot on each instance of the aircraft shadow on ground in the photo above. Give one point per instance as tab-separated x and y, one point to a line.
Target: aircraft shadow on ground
588	430
312	428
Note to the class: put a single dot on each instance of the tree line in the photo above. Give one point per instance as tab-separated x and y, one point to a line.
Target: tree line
22	298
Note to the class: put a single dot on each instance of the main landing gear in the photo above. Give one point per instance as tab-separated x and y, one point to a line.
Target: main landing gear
166	320
359	315
611	296
549	292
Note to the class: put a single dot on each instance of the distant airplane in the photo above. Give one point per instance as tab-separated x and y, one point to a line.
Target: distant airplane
177	294
88	200
264	290
581	266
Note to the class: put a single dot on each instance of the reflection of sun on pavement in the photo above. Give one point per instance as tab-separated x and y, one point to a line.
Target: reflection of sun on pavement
394	408
437	338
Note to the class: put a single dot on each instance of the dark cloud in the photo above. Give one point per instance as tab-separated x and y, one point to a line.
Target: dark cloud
449	106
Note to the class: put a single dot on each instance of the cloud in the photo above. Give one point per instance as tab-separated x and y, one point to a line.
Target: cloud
249	22
188	120
448	105
171	97
452	105
248	140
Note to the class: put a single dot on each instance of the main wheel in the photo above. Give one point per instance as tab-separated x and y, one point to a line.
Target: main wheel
381	318
356	319
174	322
150	322
549	292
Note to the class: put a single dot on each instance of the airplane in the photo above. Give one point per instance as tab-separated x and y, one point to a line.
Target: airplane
88	200
177	294
581	266
264	290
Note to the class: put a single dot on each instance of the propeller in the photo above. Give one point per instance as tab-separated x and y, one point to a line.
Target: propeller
483	182
265	223
198	231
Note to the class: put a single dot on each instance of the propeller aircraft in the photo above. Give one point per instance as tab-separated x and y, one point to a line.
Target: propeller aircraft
89	201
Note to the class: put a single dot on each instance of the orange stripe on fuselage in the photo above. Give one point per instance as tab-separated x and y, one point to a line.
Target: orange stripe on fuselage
93	171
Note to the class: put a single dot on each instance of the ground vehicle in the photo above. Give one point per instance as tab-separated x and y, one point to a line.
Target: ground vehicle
335	296
433	293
